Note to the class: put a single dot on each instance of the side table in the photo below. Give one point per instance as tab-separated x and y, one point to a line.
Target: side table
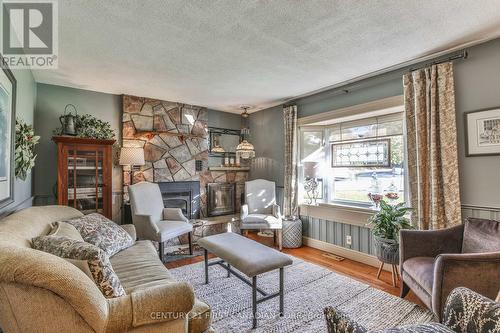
126	213
292	233
198	227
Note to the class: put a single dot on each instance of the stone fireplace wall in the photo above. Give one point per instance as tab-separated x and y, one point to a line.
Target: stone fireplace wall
174	136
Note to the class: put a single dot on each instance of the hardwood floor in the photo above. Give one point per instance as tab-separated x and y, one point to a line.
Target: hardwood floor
353	269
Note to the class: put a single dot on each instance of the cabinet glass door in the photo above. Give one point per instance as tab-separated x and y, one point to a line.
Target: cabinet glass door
85	180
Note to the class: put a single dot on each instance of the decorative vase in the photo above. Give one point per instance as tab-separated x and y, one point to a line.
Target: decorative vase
386	250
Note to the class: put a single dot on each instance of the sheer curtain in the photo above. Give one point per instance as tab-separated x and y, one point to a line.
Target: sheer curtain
290	183
432	146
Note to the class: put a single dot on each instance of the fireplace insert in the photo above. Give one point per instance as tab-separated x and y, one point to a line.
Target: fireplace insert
184	195
221	199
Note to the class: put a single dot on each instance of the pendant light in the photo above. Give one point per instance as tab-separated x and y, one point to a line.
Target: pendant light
245	149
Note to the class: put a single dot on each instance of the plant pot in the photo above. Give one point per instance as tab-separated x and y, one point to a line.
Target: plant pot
386	250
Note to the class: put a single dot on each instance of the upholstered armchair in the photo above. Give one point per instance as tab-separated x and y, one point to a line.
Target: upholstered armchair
435	262
260	210
152	220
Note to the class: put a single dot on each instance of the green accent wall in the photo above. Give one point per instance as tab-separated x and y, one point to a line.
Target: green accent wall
26	91
50	104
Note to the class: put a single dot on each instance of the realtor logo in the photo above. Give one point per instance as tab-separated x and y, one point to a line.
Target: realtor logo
29	34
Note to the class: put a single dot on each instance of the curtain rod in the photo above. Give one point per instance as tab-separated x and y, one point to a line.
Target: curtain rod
404	66
463	54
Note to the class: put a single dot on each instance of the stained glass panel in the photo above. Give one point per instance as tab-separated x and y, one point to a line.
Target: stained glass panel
366	153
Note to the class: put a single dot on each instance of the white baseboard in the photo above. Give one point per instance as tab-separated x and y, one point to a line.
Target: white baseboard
343	252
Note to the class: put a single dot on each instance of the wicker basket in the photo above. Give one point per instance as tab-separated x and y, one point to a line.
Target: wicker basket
386	250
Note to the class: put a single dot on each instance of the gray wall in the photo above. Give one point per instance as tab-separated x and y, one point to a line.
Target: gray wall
367	91
477	86
50	104
477	82
25	106
266	134
223	119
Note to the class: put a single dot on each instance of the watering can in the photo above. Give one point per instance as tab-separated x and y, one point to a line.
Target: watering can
68	121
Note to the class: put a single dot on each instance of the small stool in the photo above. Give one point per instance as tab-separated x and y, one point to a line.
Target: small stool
292	233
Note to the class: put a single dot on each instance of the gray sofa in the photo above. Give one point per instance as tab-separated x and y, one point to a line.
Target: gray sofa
433	263
40	292
465	312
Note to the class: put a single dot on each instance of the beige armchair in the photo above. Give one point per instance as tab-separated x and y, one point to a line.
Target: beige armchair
260	210
433	263
152	220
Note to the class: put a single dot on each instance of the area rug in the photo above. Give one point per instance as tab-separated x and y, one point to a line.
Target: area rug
308	290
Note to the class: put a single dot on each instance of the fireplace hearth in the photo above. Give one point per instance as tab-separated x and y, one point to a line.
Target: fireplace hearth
221	199
184	195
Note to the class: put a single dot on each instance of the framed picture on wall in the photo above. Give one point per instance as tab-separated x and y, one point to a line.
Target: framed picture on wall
482	130
7	135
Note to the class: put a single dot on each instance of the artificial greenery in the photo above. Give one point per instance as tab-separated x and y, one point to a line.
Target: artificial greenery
25	149
389	220
88	126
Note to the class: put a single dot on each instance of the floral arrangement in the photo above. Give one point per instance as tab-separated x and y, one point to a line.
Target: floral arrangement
88	126
25	149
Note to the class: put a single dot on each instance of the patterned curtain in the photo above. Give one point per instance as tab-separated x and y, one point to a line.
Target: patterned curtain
432	146
290	191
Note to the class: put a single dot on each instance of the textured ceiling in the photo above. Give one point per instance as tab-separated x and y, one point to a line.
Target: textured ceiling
224	53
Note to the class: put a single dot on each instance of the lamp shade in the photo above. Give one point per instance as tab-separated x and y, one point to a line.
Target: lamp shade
132	156
311	169
245	150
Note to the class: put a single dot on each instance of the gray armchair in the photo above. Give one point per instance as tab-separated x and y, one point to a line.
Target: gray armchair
433	263
260	210
152	220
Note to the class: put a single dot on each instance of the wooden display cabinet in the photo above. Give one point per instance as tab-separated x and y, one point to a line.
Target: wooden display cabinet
84	174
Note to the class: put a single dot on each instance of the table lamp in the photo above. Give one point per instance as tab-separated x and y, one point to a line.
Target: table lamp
132	157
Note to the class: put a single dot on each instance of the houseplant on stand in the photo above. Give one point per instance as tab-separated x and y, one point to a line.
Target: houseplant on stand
386	224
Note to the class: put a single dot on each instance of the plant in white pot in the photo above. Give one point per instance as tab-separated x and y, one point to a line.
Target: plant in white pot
386	224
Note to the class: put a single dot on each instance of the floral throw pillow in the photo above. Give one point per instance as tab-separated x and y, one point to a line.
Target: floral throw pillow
102	272
102	232
339	322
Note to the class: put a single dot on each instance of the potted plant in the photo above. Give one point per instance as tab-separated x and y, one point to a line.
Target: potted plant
88	126
386	224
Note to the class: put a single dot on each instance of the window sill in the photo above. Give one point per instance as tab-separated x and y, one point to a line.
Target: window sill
338	213
349	207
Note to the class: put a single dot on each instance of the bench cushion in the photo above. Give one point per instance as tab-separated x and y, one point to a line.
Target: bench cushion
247	256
